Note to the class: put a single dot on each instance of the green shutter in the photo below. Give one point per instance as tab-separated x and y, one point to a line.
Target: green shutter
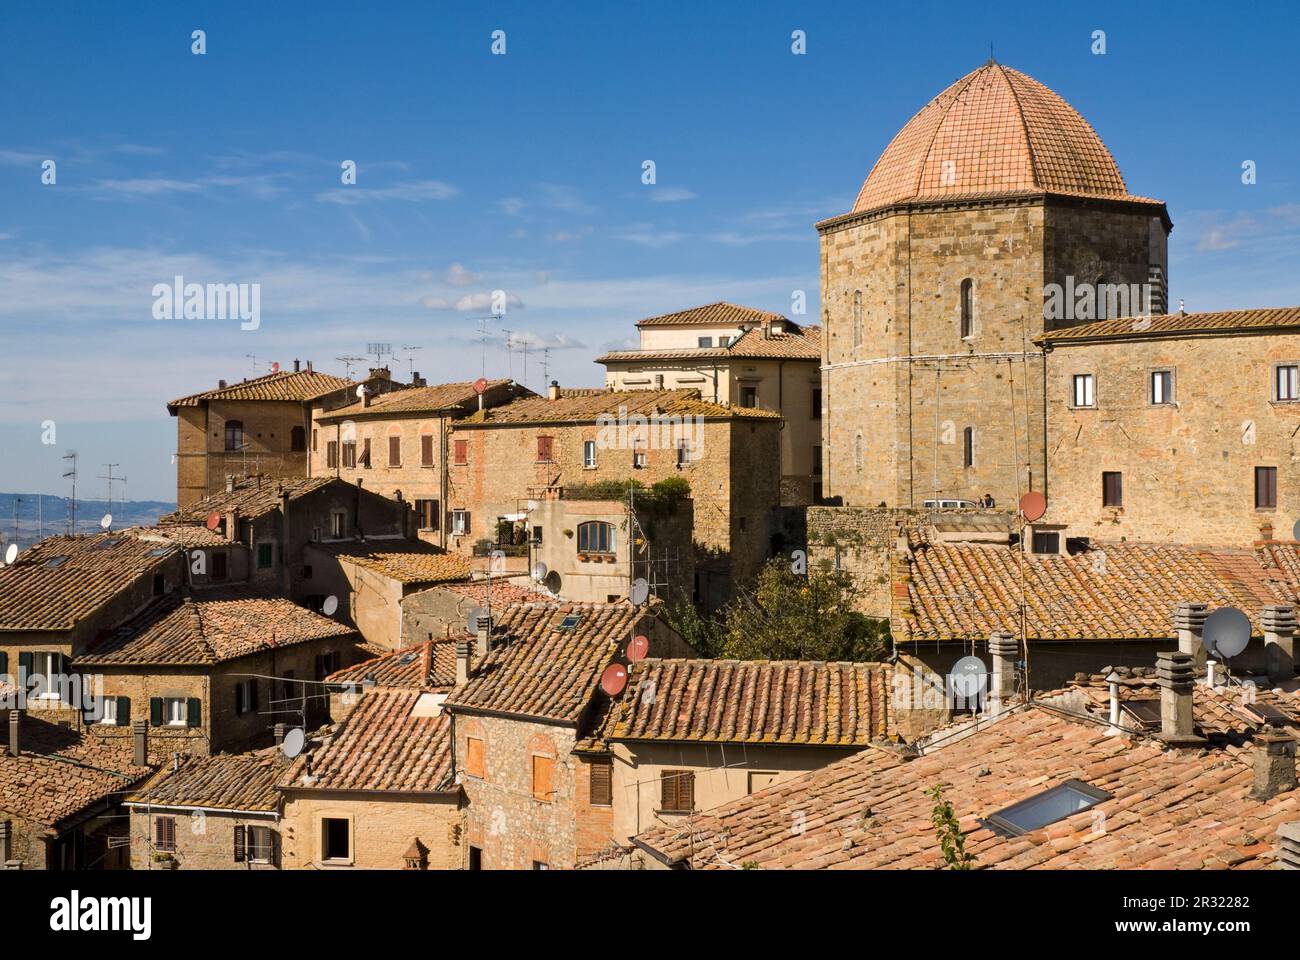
4	663
123	711
155	711
192	711
240	843
25	664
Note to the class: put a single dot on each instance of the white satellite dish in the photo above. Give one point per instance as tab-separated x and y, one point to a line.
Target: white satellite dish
968	678
293	742
1226	632
361	391
330	606
539	571
11	553
640	591
106	521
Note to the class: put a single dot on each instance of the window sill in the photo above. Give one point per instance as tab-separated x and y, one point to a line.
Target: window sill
1075	407
674	813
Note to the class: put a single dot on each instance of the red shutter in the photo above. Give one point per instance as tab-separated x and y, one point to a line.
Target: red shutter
462	451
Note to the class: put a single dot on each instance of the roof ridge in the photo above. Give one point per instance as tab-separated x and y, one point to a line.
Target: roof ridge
944	110
1024	124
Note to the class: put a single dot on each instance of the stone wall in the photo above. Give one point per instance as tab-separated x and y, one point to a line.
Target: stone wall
382	829
204	840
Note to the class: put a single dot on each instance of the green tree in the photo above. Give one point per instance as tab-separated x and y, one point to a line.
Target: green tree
948	831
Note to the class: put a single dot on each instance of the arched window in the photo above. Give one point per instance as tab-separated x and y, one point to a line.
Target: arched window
297	440
595	536
967	307
857	452
234	435
968	447
857	318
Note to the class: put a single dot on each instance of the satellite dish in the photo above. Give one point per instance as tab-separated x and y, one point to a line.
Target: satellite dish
214	520
1295	531
638	647
275	367
11	553
640	591
539	571
614	679
293	742
106	521
330	605
361	390
1033	505
968	677
480	385
1226	632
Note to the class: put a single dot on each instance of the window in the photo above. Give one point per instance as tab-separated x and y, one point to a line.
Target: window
332	454
1162	386
314	439
335	839
639	459
967	307
426	512
760	781
816	404
219	571
968	447
857	318
595	536
857	452
426	450
159	585
704	341
164	834
109	717
246	696
677	791
394	451
1047	807
1084	395
234	435
462	452
298	440
460	522
475	858
539	865
1112	489
365	453
749	396
174	711
602	783
338	524
474	757
1265	488
349	453
544	449
1288	382
265	556
684	453
1047	541
254	844
543	774
589	454
327	663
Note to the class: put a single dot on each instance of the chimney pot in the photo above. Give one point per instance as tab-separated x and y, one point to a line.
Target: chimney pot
553	391
1004	648
280	730
1274	764
140	740
1176	673
15	725
230	483
309	366
484	634
462	662
1279	623
1189	624
1288	847
295	366
221	384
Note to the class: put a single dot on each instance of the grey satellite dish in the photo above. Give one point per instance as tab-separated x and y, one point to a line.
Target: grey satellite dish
1295	531
106	521
1227	631
640	591
539	571
330	606
472	622
293	742
968	677
11	553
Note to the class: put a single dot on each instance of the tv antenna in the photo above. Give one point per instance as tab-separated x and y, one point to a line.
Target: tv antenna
348	363
72	504
409	350
380	350
546	366
111	479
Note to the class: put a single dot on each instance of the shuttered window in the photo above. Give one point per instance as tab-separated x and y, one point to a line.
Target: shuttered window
1112	489
602	785
394	451
677	791
165	834
332	453
462	452
426	451
543	775
474	760
241	843
544	449
1265	488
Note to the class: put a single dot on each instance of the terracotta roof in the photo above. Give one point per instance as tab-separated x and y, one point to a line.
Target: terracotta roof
805	345
427	665
439	398
407	561
210	627
243	782
187	535
59	773
253	497
1188	809
502	592
285	385
1261	320
752	701
589	407
995	131
1111	591
381	745
59	581
1223	711
538	667
720	314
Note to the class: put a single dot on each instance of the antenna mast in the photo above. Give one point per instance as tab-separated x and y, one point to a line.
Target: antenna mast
72	505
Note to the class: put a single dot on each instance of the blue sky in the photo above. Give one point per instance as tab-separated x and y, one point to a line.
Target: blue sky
523	173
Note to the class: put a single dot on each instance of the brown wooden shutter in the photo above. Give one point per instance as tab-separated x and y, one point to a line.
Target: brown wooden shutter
543	776
426	451
462	451
1265	487
394	451
241	843
602	787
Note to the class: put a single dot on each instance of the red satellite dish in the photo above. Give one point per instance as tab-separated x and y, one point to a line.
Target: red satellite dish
614	679
480	385
275	367
214	520
638	648
1033	505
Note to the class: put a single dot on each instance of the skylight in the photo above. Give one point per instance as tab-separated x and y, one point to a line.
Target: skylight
1047	807
569	622
56	562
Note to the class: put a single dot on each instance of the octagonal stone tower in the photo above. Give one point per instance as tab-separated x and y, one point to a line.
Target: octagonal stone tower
933	287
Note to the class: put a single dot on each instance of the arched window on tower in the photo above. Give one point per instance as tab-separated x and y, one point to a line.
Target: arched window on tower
857	318
857	452
967	307
968	447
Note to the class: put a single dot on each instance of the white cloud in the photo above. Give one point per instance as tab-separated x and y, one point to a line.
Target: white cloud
435	303
458	276
646	235
511	206
485	301
147	186
670	194
415	191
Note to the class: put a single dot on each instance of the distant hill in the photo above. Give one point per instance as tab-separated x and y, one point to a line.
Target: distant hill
42	512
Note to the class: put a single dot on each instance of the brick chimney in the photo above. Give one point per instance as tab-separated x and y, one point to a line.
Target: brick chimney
295	366
1279	622
1004	648
553	391
232	524
221	384
1176	674
230	483
140	740
15	728
1189	624
1274	763
1288	846
462	661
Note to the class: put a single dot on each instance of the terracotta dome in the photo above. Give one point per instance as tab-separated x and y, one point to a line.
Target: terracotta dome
994	131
